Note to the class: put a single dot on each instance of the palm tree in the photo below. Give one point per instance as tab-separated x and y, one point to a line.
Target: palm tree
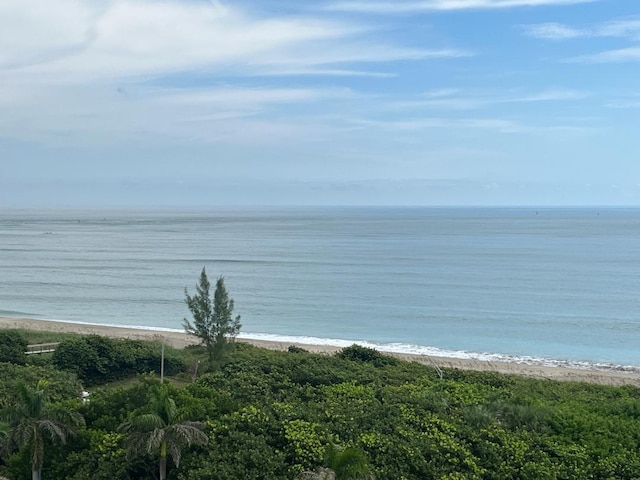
163	430
348	463
4	432
341	463
32	420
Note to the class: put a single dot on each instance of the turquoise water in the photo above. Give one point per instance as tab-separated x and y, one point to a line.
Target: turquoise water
555	286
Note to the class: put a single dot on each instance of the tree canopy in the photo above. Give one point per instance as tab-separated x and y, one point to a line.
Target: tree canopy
213	321
33	421
292	414
162	430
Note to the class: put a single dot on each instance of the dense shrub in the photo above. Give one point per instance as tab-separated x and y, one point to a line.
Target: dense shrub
13	346
272	414
61	385
98	360
364	354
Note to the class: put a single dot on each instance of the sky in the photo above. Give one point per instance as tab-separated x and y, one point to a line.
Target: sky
326	102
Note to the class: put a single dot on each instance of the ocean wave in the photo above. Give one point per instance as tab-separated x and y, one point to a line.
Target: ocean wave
408	349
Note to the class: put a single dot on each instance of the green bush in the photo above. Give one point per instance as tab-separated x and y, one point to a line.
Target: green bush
364	354
98	360
270	415
13	346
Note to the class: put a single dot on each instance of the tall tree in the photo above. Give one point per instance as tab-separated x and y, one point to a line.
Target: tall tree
213	321
32	420
163	430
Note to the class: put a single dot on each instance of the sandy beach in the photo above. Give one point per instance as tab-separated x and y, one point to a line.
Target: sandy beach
180	340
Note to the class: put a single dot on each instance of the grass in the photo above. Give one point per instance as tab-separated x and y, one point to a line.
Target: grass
35	336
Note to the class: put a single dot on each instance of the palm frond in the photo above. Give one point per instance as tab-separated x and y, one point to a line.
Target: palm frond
54	429
190	433
347	462
351	464
175	452
147	431
146	422
155	439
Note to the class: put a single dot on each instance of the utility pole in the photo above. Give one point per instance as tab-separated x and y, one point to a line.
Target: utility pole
162	363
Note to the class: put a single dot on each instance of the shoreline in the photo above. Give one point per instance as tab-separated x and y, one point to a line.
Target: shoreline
180	340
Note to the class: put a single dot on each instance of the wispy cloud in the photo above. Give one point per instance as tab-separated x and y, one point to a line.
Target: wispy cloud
631	102
456	99
403	7
498	125
333	72
73	70
629	28
235	97
626	28
629	54
505	126
555	31
74	41
622	28
624	104
137	114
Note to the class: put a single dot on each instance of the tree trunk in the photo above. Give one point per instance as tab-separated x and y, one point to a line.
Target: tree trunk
163	461
36	474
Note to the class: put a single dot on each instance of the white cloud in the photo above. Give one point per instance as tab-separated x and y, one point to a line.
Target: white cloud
629	28
623	28
631	102
79	72
500	125
549	95
402	7
554	31
74	42
96	114
455	99
441	92
234	97
32	31
334	72
629	54
497	125
624	104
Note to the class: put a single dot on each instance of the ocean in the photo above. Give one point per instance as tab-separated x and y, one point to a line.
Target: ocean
552	286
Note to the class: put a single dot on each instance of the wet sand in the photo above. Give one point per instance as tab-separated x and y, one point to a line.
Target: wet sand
180	340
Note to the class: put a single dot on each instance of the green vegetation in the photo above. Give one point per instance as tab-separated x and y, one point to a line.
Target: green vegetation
13	346
357	414
32	419
213	322
162	429
44	336
98	360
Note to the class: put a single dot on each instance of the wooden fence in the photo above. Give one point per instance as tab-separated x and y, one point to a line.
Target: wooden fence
41	348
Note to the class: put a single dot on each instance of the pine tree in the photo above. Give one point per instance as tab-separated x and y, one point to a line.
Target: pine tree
213	321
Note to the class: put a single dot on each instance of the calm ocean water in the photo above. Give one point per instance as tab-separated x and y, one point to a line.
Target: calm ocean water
556	286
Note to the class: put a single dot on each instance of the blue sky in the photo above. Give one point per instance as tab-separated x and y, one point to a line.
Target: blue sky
419	102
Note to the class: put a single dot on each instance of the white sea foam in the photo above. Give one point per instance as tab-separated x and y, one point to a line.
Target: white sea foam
399	348
438	352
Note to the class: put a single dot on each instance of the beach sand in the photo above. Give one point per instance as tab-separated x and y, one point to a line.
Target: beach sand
180	340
